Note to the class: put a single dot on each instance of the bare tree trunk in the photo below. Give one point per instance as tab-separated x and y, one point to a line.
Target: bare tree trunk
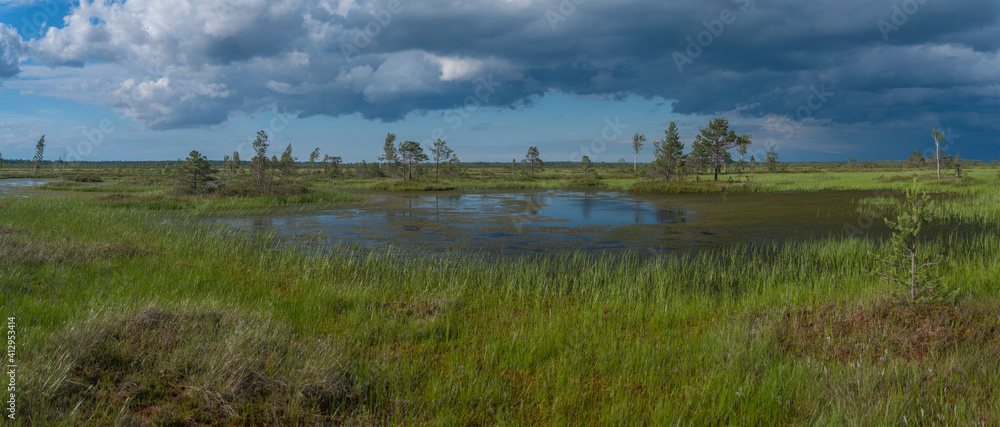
715	166
937	154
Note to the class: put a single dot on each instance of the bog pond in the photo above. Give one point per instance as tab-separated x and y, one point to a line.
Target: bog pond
543	221
519	222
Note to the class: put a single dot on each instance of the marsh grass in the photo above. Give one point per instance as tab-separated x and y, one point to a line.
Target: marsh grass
692	187
982	208
196	324
85	187
976	181
401	185
189	203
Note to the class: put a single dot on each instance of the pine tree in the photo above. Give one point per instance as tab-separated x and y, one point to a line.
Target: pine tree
718	138
669	152
390	157
39	155
287	162
916	159
194	172
700	156
331	165
441	153
532	159
411	152
587	166
236	162
907	264
312	158
771	159
259	160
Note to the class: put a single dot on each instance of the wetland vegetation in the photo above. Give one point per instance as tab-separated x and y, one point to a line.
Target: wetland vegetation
149	292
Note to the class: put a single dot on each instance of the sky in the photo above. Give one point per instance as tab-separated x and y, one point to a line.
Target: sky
815	80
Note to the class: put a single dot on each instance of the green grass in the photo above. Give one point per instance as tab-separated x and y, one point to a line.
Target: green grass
76	186
975	181
167	201
158	193
125	319
406	185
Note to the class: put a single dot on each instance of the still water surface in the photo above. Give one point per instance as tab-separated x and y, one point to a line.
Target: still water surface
536	221
21	187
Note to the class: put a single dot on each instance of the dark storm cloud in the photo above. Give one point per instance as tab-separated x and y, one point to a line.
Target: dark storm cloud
884	61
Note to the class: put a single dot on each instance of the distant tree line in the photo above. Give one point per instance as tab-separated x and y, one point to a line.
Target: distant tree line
712	153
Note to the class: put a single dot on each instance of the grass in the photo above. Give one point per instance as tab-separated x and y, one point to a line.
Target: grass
158	193
174	202
126	320
976	181
406	185
691	187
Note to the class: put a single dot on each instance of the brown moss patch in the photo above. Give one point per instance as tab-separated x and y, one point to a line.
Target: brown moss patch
162	367
887	330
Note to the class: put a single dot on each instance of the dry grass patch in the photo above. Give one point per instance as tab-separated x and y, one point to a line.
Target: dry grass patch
163	367
889	329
